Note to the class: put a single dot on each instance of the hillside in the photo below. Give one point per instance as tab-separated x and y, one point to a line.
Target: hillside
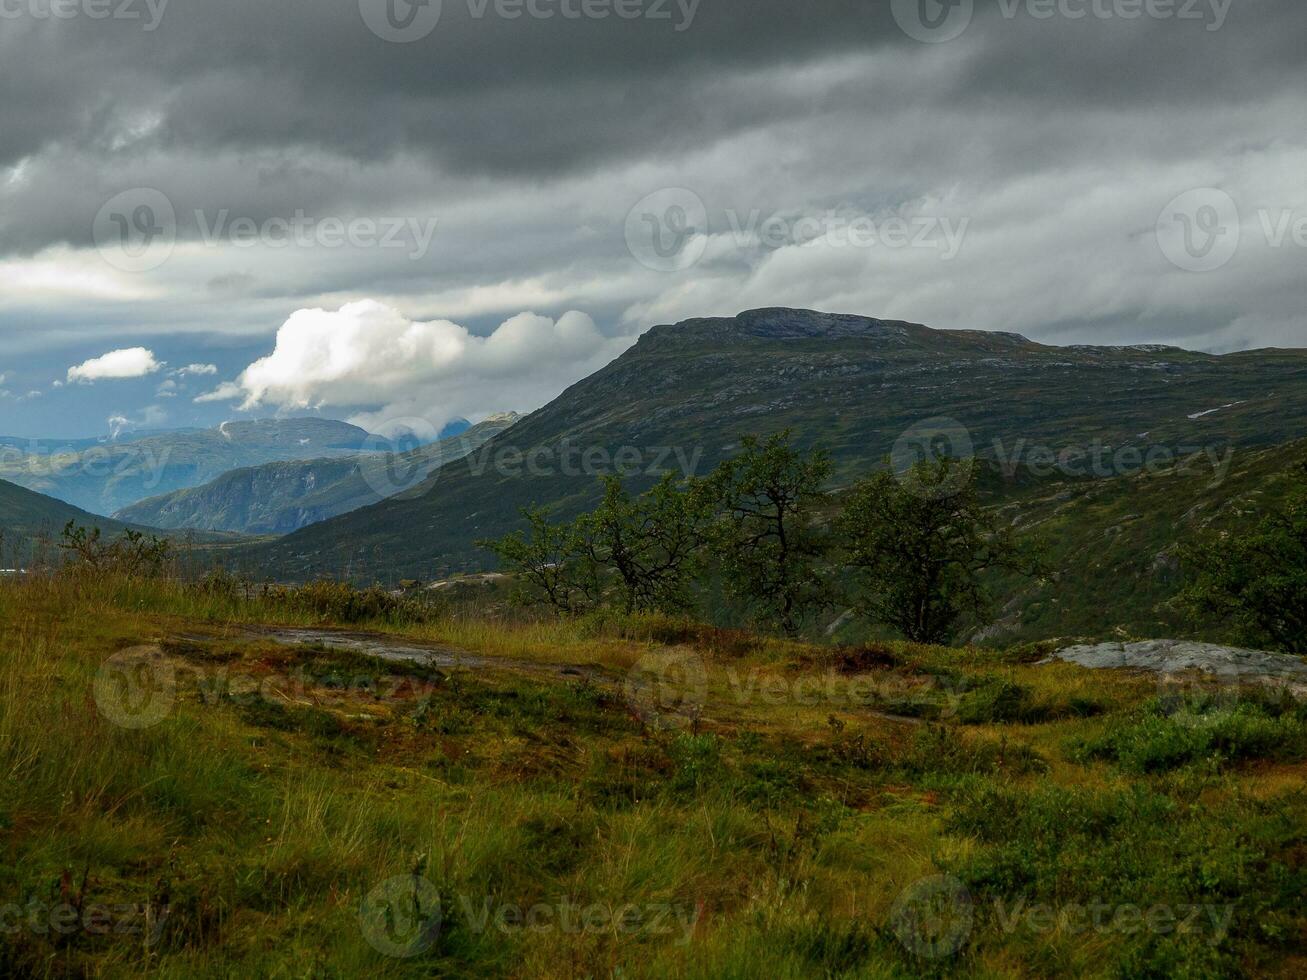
24	510
27	517
106	478
281	497
687	392
1114	545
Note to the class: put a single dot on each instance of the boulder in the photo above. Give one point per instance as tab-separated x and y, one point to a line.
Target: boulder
1174	656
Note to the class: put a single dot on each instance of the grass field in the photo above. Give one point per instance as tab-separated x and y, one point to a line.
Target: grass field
183	797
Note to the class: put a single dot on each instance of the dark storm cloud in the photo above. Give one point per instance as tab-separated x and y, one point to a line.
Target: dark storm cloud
252	74
1058	139
271	85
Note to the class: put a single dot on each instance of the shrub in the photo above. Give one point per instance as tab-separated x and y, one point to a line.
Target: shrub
131	554
1167	735
1060	847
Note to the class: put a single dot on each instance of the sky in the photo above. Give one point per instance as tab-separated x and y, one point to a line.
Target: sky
386	212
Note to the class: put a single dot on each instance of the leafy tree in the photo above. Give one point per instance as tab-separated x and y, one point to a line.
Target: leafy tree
131	553
650	543
1258	581
918	544
549	560
767	538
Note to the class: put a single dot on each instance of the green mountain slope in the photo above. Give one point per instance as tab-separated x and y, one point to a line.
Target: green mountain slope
281	497
24	510
30	522
1114	545
852	384
104	479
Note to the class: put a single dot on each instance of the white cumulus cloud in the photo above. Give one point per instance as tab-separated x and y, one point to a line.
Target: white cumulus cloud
371	358
194	369
133	362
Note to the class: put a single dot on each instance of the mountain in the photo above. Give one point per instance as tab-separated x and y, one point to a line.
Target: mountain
278	498
685	393
48	447
23	511
456	427
28	518
30	524
106	478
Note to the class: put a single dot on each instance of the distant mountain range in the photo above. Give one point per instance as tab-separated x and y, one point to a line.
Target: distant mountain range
47	447
103	478
277	498
685	394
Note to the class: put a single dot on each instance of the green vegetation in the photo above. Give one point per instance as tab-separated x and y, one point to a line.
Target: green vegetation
919	543
550	565
753	522
131	554
916	543
31	524
650	544
1258	580
767	541
760	812
1117	552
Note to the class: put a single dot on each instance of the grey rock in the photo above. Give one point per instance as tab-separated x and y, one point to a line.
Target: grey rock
1174	656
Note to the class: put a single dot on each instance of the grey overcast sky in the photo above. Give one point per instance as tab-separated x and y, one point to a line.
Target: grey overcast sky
379	210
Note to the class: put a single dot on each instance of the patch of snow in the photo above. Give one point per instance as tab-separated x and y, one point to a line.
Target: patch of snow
1213	411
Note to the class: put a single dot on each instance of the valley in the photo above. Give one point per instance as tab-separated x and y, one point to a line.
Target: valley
281	497
106	477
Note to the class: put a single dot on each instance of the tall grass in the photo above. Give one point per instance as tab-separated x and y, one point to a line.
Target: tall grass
776	837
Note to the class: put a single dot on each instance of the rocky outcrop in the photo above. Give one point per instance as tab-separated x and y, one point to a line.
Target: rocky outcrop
1229	664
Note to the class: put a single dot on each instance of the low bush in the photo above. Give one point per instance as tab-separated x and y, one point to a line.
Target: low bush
1077	849
1169	734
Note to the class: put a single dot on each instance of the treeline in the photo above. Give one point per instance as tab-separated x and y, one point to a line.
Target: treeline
906	551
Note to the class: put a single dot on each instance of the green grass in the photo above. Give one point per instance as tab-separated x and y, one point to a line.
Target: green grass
1169	734
786	828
